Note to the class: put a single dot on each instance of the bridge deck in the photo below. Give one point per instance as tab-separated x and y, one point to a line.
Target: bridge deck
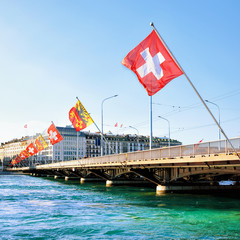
217	153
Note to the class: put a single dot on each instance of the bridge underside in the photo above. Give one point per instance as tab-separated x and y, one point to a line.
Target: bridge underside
153	175
177	174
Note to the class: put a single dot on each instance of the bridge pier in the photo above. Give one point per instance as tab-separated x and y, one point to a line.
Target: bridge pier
162	189
110	183
83	180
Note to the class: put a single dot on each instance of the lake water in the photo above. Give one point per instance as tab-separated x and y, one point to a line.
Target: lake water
41	208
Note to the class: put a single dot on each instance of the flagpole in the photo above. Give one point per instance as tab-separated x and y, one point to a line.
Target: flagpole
150	119
77	144
175	60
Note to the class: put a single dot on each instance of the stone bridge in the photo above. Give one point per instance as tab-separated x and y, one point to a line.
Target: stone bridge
195	167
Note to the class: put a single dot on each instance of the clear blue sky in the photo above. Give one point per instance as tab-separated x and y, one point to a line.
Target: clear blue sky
53	51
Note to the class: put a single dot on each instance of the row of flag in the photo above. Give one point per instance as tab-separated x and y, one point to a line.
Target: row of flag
80	119
39	144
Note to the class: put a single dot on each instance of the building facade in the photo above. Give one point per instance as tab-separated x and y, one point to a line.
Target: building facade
115	144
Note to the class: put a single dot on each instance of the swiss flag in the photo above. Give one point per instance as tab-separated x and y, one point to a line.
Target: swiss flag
31	149
53	134
24	154
152	64
16	160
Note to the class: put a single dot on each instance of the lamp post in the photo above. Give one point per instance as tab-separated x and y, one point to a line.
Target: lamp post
168	129
219	131
102	121
137	135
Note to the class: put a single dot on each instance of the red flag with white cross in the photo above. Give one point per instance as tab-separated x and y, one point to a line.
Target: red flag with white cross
16	160
24	154
31	149
53	134
152	64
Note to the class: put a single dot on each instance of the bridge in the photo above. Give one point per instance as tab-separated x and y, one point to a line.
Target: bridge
196	167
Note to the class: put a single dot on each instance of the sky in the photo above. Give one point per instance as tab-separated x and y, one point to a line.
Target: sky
54	51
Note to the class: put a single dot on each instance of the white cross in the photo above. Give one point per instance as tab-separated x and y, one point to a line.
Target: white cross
53	135
22	156
152	64
31	150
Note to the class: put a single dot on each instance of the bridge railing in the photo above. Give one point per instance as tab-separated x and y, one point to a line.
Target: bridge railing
205	148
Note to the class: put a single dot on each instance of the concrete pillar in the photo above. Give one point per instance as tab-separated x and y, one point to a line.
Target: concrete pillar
184	189
82	180
109	183
161	190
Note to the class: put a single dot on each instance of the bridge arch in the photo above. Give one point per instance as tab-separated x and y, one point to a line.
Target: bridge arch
217	172
124	173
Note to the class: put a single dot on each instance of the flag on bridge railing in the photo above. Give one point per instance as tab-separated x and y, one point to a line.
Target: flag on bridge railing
152	64
24	154
16	160
40	143
54	135
79	117
31	149
197	145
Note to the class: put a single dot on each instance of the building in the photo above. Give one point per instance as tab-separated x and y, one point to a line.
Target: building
115	144
67	148
88	145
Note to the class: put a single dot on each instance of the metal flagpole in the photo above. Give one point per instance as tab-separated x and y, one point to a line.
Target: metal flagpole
150	115
77	144
175	60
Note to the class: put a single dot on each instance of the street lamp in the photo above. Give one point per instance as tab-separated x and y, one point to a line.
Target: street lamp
102	121
219	131
137	135
168	129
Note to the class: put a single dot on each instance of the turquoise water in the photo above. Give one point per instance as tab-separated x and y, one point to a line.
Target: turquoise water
40	208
